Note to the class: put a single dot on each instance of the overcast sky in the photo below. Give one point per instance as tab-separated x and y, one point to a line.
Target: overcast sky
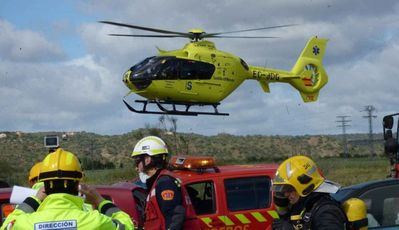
59	71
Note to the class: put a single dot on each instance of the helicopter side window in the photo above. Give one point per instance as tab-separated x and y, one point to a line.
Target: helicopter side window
188	70
192	70
169	70
205	70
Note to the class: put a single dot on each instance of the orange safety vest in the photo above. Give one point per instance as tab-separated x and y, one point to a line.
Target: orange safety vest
154	219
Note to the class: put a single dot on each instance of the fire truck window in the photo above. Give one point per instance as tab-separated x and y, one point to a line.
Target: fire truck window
247	193
202	197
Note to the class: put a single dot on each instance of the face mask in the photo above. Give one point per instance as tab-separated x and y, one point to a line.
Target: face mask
143	177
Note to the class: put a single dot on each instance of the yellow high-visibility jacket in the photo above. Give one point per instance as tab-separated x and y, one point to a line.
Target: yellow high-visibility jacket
65	211
38	185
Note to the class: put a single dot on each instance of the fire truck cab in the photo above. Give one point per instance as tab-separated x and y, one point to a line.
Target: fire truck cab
231	197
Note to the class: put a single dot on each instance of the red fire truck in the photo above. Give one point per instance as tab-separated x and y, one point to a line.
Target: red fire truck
231	197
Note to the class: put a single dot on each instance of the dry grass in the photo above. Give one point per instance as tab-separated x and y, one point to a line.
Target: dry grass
354	170
344	171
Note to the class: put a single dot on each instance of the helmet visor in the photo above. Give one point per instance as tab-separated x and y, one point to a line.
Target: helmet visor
282	188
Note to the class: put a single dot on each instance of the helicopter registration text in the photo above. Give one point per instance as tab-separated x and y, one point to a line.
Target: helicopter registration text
268	76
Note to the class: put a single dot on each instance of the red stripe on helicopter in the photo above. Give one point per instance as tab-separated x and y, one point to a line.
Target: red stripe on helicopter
307	81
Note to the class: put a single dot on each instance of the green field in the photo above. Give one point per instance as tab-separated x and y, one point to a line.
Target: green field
354	170
341	170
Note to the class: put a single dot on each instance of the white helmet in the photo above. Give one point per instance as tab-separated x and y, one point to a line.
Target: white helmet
151	146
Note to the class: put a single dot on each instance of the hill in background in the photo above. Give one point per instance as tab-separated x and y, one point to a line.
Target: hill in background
19	151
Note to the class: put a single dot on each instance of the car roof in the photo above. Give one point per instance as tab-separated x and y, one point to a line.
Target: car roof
226	171
357	189
374	183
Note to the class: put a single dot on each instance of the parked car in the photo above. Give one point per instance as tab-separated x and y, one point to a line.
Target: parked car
381	198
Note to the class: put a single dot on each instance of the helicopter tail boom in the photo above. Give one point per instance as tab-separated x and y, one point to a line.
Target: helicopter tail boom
307	76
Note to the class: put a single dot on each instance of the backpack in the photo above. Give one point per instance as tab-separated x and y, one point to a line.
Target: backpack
324	202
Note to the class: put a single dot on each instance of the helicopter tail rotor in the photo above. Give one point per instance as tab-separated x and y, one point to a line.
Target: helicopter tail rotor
309	68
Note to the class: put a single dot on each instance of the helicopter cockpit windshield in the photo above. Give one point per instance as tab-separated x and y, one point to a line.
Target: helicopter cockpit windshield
140	64
169	68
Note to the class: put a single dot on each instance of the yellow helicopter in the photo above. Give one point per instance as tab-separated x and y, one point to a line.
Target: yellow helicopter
200	75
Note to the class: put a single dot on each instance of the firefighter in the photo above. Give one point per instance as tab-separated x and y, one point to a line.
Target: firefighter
164	193
57	204
302	197
33	177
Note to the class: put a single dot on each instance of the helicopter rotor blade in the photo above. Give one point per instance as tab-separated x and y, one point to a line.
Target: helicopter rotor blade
247	30
216	36
145	28
147	36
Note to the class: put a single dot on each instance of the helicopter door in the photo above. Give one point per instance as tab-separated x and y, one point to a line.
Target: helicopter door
189	75
195	74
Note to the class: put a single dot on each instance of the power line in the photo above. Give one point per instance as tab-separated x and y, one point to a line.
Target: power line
370	109
344	122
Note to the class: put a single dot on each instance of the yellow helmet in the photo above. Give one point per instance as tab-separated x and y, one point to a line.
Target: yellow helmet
300	173
60	164
34	171
356	212
151	146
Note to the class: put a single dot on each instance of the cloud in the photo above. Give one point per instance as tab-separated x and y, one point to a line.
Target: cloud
41	89
26	46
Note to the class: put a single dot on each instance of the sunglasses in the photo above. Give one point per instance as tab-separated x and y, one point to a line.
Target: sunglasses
138	159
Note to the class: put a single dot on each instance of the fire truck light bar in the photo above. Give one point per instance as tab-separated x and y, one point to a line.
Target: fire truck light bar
192	162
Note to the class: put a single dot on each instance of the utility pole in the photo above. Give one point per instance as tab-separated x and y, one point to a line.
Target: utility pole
370	109
343	122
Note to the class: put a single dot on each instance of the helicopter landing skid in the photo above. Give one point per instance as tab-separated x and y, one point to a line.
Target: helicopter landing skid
174	110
